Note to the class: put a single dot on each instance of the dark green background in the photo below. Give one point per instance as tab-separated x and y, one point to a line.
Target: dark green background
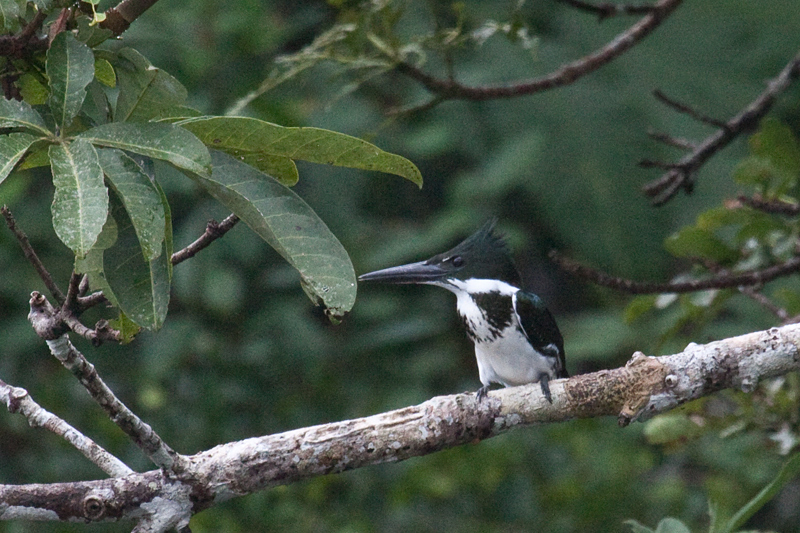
244	353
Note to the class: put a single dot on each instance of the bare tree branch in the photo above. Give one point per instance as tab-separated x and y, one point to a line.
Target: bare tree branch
680	176
120	17
449	89
18	400
642	388
722	281
773	205
31	256
605	10
24	42
677	142
752	292
687	110
214	230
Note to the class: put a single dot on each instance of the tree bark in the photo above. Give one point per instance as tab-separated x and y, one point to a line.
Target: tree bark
643	387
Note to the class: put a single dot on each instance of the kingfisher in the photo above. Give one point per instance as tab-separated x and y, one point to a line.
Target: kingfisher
517	340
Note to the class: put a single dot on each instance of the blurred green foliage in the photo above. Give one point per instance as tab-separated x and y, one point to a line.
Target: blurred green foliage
243	353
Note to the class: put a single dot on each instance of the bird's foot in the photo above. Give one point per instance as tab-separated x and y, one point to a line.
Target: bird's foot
544	382
482	392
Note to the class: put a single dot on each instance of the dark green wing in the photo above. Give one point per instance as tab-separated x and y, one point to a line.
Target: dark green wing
540	327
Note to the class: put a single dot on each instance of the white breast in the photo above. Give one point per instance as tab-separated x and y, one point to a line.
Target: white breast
509	358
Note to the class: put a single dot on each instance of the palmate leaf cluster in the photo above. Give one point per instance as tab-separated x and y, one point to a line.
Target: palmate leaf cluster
103	120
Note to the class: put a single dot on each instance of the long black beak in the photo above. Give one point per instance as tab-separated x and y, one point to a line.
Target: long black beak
420	272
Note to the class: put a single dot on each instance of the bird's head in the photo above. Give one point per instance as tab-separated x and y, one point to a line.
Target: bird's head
483	255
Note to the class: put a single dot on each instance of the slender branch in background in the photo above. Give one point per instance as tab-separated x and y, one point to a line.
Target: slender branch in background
605	10
680	175
728	281
773	206
140	432
645	386
569	73
120	17
214	230
31	256
686	110
677	142
751	292
781	313
18	400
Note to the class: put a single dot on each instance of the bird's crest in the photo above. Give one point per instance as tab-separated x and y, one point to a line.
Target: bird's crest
482	255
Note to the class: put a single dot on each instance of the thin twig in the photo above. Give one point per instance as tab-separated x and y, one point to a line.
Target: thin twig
96	298
747	278
141	433
607	9
567	74
18	400
751	292
650	163
687	110
680	177
677	142
214	230
31	256
774	205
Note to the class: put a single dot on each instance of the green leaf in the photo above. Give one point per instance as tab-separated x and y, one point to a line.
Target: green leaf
141	287
15	114
70	68
776	143
92	262
668	428
168	243
38	156
80	203
789	471
127	327
672	525
144	91
90	33
289	225
254	139
696	242
32	90
12	148
639	306
637	527
139	196
753	171
159	141
9	13
104	72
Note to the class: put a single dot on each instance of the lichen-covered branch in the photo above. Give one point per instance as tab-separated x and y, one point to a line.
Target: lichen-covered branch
141	433
645	386
49	326
17	400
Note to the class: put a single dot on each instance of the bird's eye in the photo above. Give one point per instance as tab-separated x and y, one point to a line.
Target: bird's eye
457	261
